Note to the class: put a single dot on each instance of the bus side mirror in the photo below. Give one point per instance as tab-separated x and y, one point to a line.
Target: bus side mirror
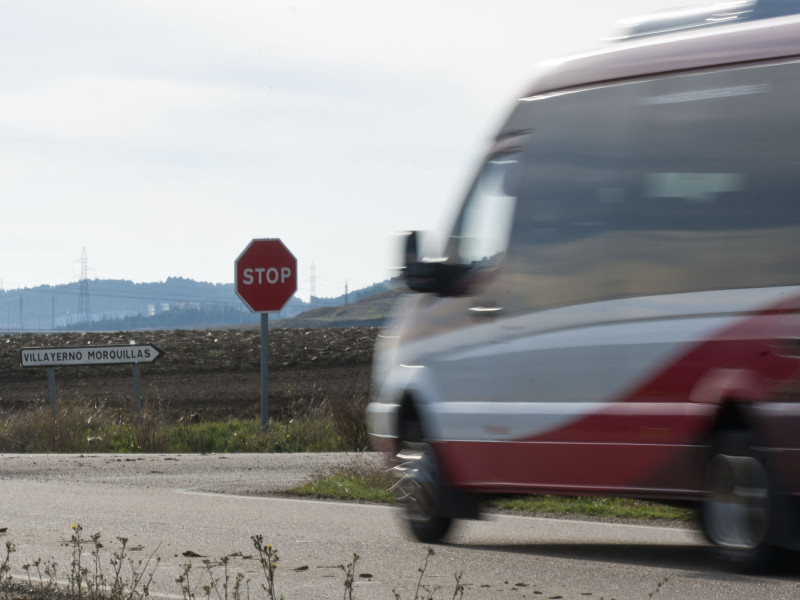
418	275
430	275
411	249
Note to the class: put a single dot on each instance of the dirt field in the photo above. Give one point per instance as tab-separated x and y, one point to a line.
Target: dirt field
204	374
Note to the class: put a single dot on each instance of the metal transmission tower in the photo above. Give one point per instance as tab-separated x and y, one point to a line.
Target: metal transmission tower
84	306
313	291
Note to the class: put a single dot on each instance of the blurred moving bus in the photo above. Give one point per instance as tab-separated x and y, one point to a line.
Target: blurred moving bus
617	307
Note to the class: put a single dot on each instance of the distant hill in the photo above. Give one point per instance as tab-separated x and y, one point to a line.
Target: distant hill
121	305
369	311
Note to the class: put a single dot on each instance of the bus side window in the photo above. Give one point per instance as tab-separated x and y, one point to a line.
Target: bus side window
481	234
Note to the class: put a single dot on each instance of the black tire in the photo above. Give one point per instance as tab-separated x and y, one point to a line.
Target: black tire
419	486
738	513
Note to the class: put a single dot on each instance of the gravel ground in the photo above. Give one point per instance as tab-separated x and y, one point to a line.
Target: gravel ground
242	474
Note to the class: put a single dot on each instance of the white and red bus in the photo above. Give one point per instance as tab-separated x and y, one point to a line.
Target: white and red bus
617	307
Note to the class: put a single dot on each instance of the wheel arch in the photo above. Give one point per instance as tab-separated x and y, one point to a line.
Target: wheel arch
734	393
731	415
408	411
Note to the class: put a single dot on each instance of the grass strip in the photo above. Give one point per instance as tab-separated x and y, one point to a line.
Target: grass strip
84	429
612	508
367	483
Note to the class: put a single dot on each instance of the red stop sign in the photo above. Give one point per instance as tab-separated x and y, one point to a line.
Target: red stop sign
266	275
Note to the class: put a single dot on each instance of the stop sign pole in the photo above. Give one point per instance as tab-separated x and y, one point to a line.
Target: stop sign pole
265	279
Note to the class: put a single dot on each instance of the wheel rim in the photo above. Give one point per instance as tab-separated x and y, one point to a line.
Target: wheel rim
736	510
417	480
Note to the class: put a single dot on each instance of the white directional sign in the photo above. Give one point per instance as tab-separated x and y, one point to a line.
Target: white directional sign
89	355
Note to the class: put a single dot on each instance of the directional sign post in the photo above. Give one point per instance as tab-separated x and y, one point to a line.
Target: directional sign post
75	356
265	276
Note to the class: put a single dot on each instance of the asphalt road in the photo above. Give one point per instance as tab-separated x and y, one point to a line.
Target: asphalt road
195	508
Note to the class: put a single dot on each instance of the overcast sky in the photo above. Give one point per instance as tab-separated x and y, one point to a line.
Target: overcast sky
162	136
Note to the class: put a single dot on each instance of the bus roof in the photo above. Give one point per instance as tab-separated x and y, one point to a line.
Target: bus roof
735	44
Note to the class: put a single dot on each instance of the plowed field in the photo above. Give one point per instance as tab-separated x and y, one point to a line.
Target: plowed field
204	374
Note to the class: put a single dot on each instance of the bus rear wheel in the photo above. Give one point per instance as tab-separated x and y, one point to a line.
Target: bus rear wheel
737	514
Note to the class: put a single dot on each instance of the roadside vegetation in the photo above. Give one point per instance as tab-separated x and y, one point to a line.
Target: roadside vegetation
96	573
330	425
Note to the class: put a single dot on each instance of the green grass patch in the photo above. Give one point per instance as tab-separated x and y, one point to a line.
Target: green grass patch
244	435
613	508
358	482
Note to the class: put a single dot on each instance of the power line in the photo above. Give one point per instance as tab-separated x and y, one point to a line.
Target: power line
127	296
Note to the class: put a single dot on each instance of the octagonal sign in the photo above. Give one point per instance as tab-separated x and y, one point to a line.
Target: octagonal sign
265	275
